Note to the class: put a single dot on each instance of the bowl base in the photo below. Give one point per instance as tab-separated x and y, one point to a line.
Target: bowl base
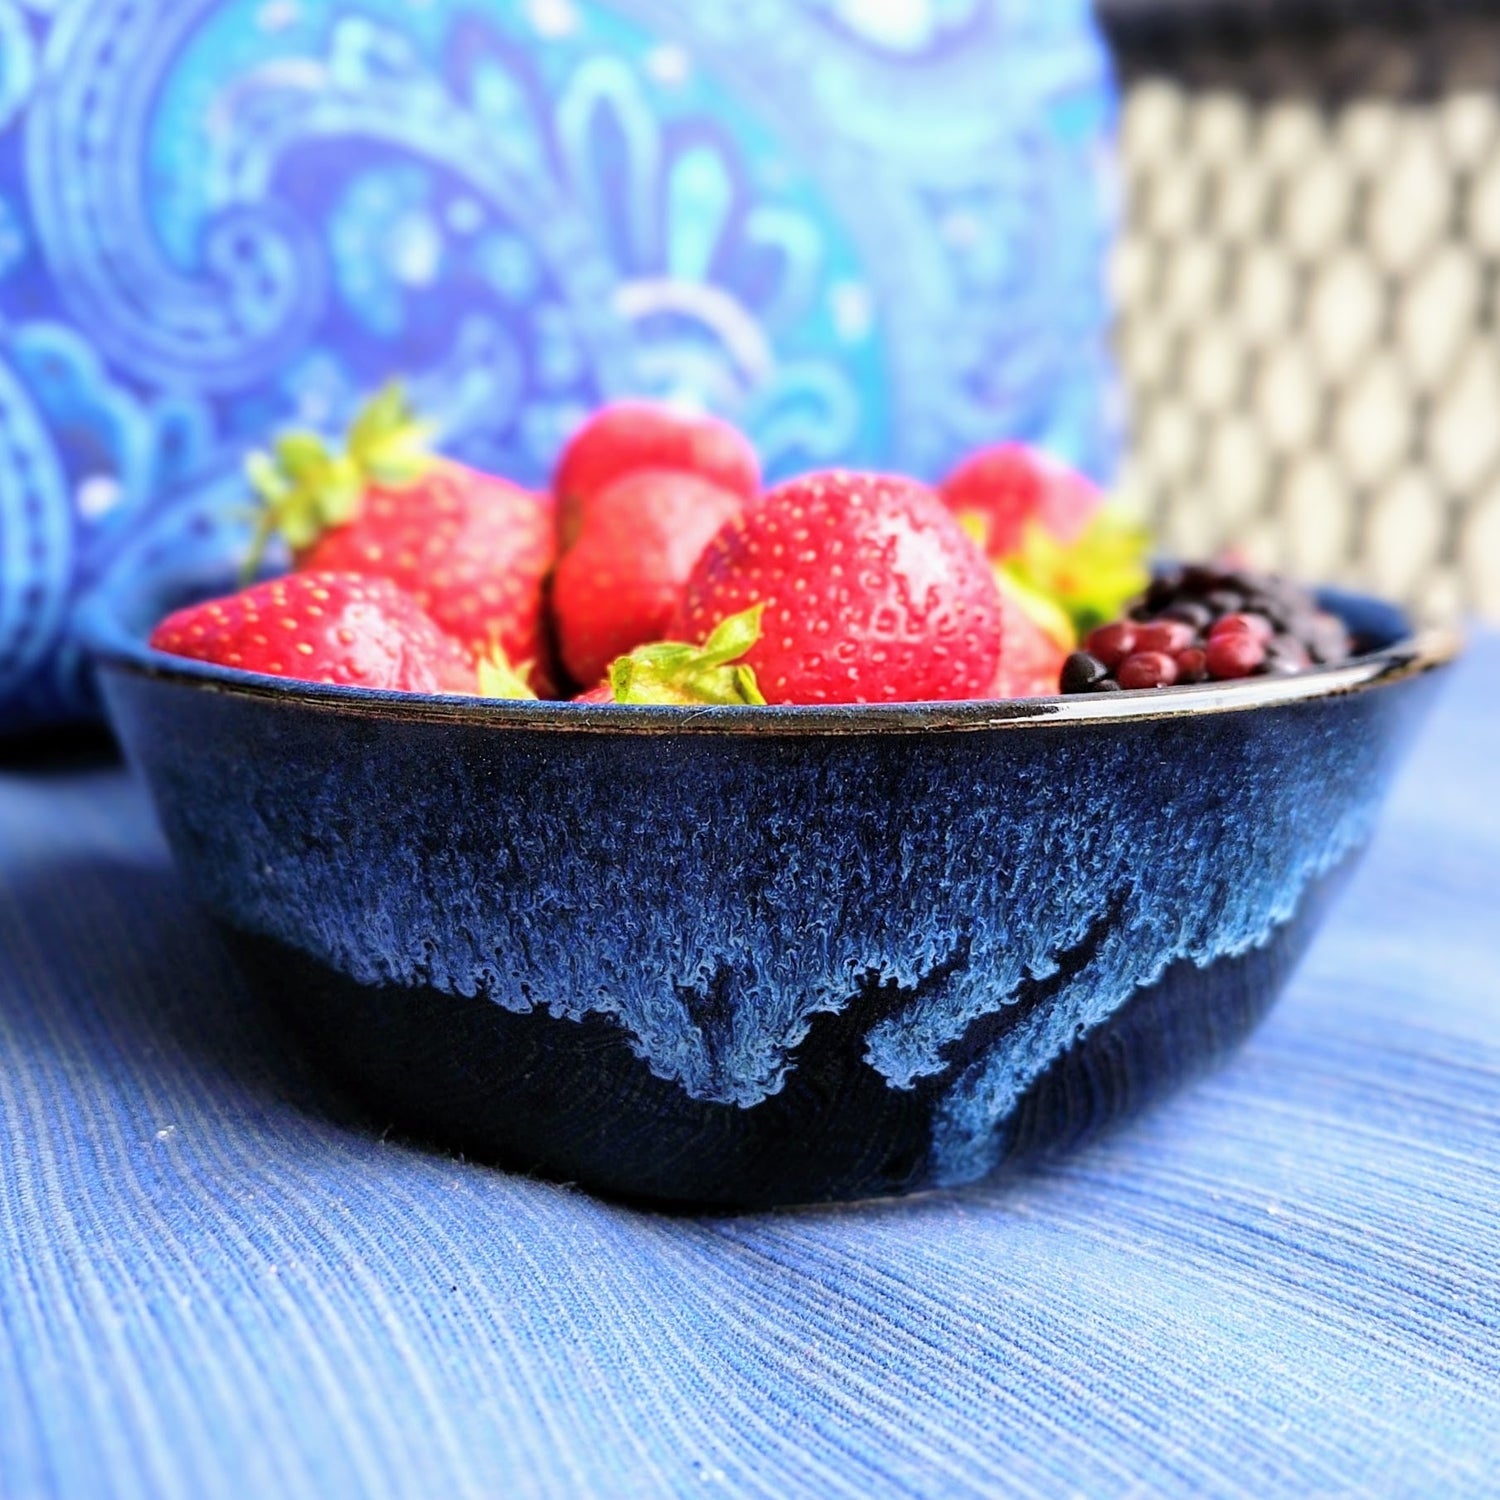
571	1101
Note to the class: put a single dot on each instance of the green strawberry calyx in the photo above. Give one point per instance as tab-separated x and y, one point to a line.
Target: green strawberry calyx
499	679
307	488
677	672
1041	609
1091	579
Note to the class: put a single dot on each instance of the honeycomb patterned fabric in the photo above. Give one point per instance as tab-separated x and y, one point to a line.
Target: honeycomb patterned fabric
1309	294
873	234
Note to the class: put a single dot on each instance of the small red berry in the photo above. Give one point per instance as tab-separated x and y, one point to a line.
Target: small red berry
1244	624
1235	653
1170	636
1147	669
1256	626
1112	643
1192	665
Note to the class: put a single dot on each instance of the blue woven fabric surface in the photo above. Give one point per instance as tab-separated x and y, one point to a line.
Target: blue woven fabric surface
214	1281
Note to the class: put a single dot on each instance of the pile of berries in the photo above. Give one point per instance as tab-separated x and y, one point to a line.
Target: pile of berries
1199	624
656	568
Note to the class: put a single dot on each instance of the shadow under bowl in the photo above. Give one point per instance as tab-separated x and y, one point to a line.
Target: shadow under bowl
762	956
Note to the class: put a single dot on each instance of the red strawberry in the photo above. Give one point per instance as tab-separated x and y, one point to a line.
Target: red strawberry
873	593
473	550
998	490
1049	528
323	627
619	583
1037	637
634	435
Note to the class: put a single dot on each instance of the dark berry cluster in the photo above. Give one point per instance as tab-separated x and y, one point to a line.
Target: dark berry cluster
1199	624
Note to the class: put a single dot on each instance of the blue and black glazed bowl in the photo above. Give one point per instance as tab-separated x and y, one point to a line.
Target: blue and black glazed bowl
750	956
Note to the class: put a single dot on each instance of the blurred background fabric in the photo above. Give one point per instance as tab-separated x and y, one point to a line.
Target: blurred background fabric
873	233
1308	287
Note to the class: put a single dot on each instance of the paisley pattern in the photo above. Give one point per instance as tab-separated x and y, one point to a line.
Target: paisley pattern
870	230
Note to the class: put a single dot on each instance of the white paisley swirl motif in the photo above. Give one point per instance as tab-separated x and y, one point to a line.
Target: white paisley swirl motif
971	186
17	63
257	292
348	96
686	218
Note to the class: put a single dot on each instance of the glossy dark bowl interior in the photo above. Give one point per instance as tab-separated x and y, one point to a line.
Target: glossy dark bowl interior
765	956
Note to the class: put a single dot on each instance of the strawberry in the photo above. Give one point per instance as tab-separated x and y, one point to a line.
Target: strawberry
873	593
634	435
323	627
619	583
998	490
1037	637
1049	529
473	550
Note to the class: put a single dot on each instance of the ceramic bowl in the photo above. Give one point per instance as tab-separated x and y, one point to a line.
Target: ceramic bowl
757	956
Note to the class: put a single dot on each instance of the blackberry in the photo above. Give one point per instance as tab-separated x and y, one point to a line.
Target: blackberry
1083	673
1202	624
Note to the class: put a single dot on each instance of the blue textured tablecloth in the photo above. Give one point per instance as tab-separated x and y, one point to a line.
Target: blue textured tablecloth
213	1281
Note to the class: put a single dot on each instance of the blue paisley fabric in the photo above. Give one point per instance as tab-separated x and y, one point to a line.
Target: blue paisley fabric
872	231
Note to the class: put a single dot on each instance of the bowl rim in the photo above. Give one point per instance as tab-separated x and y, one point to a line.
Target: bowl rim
113	646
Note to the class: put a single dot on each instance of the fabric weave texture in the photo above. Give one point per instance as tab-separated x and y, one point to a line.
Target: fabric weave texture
216	1280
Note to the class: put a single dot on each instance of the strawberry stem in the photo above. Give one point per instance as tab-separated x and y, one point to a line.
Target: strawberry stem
305	488
498	679
1093	578
678	672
